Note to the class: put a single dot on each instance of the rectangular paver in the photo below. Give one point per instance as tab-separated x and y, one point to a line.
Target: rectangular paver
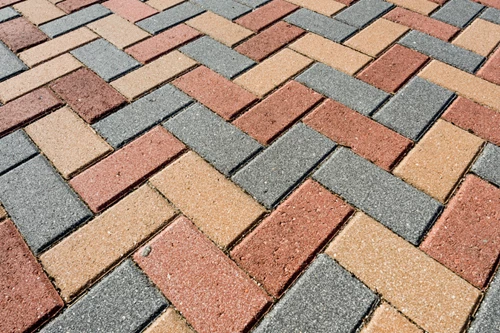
480	37
486	165
491	69
266	15
487	318
424	7
170	17
10	64
458	12
385	318
15	149
363	12
7	13
492	15
169	321
39	11
132	10
19	34
118	31
219	28
229	9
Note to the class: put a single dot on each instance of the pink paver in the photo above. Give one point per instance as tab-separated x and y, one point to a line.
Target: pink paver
132	10
70	6
208	288
491	69
266	15
19	34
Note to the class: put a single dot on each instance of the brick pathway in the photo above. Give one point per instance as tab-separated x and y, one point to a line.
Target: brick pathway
249	166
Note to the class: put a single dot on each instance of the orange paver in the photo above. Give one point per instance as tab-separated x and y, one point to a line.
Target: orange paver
386	319
169	322
480	37
325	7
118	31
424	7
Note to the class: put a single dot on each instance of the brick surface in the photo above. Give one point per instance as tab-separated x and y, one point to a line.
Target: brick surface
363	12
219	28
325	7
161	5
15	149
229	9
3	213
492	15
480	37
424	7
39	11
169	322
11	65
132	10
180	256
7	13
488	316
486	165
266	15
387	319
19	34
4	3
491	69
118	31
70	6
170	17
458	12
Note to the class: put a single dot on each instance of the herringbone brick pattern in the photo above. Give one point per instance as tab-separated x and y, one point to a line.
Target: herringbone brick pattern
249	166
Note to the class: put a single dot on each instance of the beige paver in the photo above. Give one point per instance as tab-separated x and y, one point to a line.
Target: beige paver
216	205
169	322
387	319
163	4
93	249
118	31
480	37
420	6
325	7
272	72
3	213
422	289
39	11
330	53
376	37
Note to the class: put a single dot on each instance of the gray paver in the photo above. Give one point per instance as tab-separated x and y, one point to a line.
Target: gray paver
105	59
326	299
253	3
134	119
219	142
15	148
487	165
492	15
41	204
414	108
227	8
321	25
7	13
399	206
170	17
354	93
124	301
278	169
74	20
9	64
443	51
458	12
218	57
487	318
363	12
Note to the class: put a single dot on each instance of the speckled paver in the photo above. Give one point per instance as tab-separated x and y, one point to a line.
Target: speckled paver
172	16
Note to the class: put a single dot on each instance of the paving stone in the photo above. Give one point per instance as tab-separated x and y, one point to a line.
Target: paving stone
15	149
278	169
161	5
27	298
39	11
458	12
124	301
380	194
487	164
487	318
492	15
109	179
266	15
422	289
190	182
19	34
93	249
491	69
118	31
220	143
321	25
105	59
214	91
424	7
74	20
325	7
10	65
343	88
363	12
70	6
219	28
3	213
170	17
480	37
169	322
326	298
7	13
132	10
5	3
253	3
136	118
387	319
40	203
227	8
180	257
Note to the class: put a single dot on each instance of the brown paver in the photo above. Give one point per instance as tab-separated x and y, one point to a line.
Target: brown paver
181	256
325	7
386	319
190	183
161	5
480	37
118	31
89	95
19	34
90	251
421	288
70	6
466	238
216	92
491	69
39	11
169	322
282	244
277	112
112	177
424	7
132	10
366	137
266	15
393	68
27	298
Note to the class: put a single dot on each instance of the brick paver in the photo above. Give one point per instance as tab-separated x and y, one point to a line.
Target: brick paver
387	319
169	322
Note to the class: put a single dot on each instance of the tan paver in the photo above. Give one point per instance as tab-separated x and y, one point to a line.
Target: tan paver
3	213
387	319
39	11
480	37
420	6
169	322
163	4
325	7
118	31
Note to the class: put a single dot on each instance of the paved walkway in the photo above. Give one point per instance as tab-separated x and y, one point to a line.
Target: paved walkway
249	166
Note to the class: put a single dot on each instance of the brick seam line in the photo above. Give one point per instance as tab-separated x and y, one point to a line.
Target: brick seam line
495	49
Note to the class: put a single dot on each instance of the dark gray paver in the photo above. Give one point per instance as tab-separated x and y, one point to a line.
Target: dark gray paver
134	119
492	15
15	148
443	51
105	59
487	318
487	165
124	301
74	20
343	88
414	108
254	3
321	25
399	206
219	142
170	17
458	12
227	8
278	169
10	64
363	12
41	204
326	299
218	57
7	13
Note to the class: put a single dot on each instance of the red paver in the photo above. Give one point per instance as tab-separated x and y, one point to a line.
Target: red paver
70	6
276	251
480	120
27	298
87	94
27	108
208	288
466	238
216	92
269	41
277	112
109	179
19	34
491	69
366	137
132	10
423	23
160	44
393	68
266	15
